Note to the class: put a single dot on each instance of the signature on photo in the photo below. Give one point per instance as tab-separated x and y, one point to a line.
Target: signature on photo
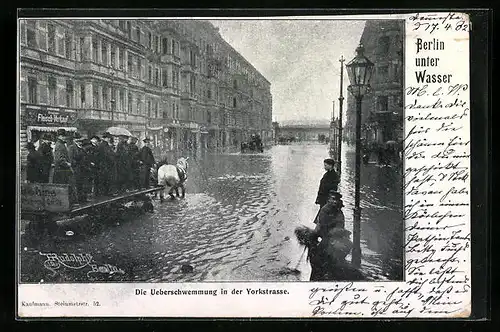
54	262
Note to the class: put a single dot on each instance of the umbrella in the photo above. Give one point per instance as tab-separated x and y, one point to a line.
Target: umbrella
118	131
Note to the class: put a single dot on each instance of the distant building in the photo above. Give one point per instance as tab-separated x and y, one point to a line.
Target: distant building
382	117
177	81
305	132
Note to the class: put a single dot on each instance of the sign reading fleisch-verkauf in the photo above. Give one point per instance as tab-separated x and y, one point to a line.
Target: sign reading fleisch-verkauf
39	197
44	116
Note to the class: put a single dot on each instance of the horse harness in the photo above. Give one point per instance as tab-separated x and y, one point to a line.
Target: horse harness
182	173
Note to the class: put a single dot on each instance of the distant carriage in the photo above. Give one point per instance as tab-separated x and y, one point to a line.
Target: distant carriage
253	145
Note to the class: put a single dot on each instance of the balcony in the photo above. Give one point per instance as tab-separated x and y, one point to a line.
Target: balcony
105	115
47	58
117	74
170	58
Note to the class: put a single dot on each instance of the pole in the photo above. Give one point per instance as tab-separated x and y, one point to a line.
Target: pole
341	101
356	251
112	99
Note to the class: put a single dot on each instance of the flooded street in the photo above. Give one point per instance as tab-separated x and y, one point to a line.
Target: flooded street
236	223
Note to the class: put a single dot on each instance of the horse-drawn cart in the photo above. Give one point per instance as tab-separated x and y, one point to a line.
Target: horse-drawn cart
44	205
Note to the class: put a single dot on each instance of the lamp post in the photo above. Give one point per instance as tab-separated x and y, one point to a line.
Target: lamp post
359	71
112	73
341	101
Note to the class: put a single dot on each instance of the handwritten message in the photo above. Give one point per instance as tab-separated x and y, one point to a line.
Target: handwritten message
436	185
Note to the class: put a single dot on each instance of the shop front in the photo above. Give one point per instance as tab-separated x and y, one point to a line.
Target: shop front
38	120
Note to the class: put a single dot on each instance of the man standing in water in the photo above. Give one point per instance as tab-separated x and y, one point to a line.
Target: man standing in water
329	182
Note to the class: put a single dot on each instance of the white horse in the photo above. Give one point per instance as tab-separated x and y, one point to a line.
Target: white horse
173	177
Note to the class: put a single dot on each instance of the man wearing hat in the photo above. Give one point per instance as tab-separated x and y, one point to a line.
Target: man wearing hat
133	155
77	160
147	160
330	215
123	164
33	166
63	171
105	165
330	181
46	158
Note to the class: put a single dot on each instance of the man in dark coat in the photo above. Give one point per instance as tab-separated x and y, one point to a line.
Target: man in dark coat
33	166
62	171
147	161
92	150
46	158
329	182
77	160
133	155
105	165
123	164
330	215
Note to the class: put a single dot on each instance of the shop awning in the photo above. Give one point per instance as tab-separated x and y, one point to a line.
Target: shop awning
154	128
29	129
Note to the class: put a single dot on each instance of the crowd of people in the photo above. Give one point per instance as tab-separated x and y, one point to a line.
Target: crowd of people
91	167
329	242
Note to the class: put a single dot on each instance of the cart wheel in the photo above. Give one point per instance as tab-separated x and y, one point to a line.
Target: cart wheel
147	206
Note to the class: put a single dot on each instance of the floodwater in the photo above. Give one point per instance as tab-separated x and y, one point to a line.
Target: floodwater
236	223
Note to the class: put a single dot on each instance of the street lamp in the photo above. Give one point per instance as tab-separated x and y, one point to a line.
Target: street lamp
112	73
359	71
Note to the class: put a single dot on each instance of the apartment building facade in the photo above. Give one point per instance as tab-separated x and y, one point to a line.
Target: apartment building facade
382	108
176	81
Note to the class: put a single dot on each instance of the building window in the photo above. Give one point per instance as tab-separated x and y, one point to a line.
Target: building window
209	93
129	29
164	73
104	54
121	24
31	33
156	109
209	117
174	51
129	99
149	108
95	96
82	95
122	100
382	103
384	43
235	84
173	111
52	91
32	90
113	56
150	40
95	51
105	99
130	68
138	34
383	73
157	43
121	59
67	44
165	45
157	76
234	101
51	31
82	49
149	74
69	94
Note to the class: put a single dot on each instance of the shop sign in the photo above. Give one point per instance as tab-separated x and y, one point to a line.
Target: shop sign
49	117
37	197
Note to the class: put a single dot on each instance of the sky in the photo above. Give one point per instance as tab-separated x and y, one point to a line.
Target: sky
301	60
